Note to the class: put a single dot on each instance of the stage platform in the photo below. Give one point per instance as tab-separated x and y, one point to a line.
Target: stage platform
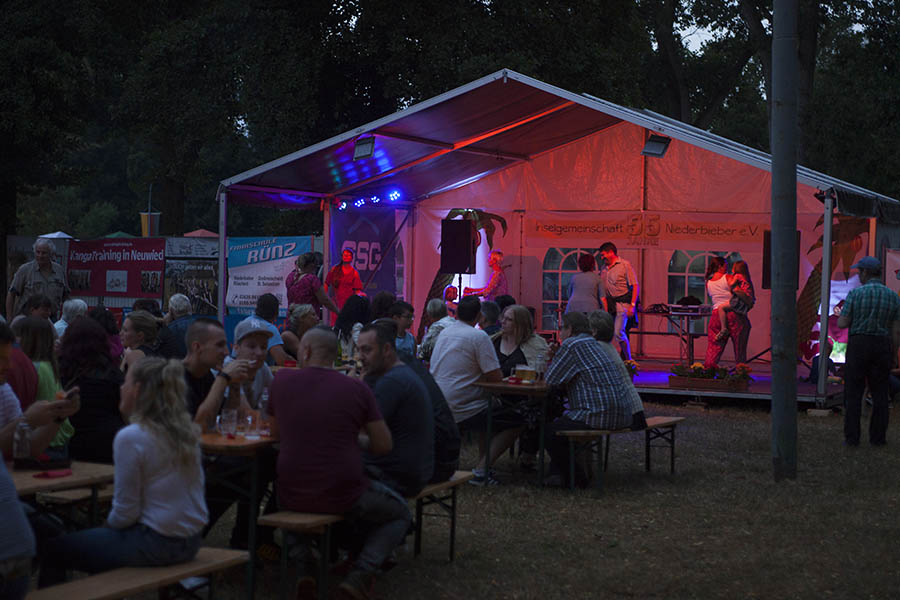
653	378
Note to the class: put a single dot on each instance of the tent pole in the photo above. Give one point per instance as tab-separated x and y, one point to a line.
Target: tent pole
326	247
784	240
223	265
825	297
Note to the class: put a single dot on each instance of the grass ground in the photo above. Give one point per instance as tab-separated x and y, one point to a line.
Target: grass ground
719	528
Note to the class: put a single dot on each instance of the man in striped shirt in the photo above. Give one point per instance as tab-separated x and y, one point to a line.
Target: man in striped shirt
872	313
597	393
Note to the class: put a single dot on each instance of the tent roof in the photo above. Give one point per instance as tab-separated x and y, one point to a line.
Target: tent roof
465	134
57	235
202	233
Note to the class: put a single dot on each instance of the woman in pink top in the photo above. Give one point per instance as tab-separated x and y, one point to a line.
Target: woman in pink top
303	287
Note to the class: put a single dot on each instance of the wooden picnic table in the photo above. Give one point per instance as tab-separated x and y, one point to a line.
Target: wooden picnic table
240	445
84	475
537	391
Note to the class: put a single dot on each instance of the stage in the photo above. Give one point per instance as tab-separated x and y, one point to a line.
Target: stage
653	378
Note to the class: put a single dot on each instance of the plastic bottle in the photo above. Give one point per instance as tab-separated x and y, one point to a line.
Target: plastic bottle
22	440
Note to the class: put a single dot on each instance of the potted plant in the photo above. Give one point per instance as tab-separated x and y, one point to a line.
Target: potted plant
698	376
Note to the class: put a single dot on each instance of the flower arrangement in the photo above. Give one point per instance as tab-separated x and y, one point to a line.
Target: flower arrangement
741	372
633	367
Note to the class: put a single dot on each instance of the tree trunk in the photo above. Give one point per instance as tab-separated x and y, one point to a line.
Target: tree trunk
808	32
169	199
7	227
673	52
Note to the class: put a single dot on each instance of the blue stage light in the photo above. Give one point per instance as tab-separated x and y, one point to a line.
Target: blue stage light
394	195
374	199
343	206
359	203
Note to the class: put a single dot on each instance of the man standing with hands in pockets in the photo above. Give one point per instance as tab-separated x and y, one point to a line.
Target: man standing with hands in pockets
622	292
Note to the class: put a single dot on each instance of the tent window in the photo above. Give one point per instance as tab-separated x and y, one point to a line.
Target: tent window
559	266
686	277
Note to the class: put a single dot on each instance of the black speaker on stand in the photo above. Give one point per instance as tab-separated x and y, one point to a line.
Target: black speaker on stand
457	246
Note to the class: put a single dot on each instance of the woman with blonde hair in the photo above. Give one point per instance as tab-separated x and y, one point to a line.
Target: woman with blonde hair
497	285
517	344
158	509
138	335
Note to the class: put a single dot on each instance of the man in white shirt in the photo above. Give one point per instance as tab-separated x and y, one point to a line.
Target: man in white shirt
463	356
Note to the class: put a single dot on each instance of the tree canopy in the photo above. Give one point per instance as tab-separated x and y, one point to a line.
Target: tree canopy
107	105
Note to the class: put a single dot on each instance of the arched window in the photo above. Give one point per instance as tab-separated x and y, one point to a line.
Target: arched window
559	266
687	277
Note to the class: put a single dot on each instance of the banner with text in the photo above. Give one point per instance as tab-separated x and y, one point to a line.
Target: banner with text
629	229
368	232
117	267
257	266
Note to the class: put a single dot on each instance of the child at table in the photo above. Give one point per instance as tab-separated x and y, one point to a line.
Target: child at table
158	508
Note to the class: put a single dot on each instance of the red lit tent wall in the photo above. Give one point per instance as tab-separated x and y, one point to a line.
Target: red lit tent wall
563	172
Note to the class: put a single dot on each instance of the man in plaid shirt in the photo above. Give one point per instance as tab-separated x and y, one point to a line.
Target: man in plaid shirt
598	395
872	312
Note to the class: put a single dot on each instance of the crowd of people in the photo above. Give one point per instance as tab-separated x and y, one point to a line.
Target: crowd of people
370	416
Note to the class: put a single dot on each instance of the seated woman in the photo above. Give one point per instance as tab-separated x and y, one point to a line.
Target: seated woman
85	362
301	318
138	336
37	339
108	322
517	344
158	508
350	322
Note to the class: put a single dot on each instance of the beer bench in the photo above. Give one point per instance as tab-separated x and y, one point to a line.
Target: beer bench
128	581
658	428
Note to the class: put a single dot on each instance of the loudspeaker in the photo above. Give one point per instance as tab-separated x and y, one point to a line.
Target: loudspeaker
457	246
767	261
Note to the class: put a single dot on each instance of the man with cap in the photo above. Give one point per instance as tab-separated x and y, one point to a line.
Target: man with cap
251	341
872	314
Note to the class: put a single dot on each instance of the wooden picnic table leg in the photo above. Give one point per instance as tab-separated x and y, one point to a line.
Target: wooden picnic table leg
417	544
541	445
571	464
253	511
487	440
606	453
452	522
285	550
672	451
325	548
647	450
92	511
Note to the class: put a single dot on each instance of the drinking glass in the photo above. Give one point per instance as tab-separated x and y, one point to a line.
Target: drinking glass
228	421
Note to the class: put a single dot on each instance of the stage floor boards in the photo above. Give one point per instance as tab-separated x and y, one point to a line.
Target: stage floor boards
653	378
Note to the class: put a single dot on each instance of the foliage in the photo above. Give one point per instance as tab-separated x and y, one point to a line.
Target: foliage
740	372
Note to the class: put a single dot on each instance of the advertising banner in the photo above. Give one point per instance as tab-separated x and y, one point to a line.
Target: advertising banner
257	266
117	267
197	279
368	232
191	247
630	229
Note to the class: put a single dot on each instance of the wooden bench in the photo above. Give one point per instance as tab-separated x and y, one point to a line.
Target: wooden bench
128	581
658	428
442	494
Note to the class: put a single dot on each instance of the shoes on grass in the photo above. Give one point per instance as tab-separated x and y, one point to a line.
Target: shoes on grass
484	479
357	585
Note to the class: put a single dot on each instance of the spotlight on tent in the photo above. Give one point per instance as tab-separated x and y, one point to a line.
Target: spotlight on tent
374	199
394	196
342	206
359	203
656	146
364	148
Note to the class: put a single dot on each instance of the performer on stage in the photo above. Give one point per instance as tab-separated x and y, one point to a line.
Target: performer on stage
497	285
450	295
622	292
343	280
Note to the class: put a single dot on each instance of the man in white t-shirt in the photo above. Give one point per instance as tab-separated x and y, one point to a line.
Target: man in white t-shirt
462	356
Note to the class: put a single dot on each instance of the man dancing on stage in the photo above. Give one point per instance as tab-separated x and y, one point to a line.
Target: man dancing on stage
622	291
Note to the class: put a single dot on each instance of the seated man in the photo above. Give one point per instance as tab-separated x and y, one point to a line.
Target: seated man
320	466
596	389
463	356
178	319
436	311
251	340
71	309
490	314
446	433
403	402
603	329
267	310
403	314
207	380
165	345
